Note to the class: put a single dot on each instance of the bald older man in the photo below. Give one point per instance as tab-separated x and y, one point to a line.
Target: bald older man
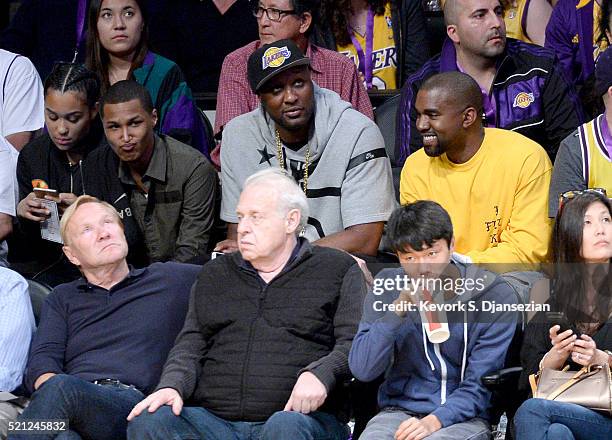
103	339
522	85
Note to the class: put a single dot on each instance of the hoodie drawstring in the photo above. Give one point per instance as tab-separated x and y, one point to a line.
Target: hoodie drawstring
82	179
425	348
465	342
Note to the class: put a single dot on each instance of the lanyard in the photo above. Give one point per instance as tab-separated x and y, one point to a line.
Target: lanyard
80	26
365	60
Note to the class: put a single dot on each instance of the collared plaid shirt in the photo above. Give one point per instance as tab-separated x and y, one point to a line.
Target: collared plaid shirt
330	70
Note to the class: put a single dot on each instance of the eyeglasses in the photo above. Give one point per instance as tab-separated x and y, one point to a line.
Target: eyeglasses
569	195
272	13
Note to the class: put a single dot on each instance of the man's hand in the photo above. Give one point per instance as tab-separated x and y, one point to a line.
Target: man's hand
64	200
226	246
308	394
165	396
364	268
30	208
42	379
231	243
405	297
416	429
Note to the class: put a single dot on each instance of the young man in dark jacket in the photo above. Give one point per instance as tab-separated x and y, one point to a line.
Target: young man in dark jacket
163	189
276	311
432	327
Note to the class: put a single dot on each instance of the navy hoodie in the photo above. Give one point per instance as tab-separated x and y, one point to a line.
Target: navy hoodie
441	379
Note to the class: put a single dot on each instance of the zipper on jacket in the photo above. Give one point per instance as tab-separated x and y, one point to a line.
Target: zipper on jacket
262	294
493	91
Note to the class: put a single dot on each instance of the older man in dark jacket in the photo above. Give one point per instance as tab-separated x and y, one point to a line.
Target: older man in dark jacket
276	311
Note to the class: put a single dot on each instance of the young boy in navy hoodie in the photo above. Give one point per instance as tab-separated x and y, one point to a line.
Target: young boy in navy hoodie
433	327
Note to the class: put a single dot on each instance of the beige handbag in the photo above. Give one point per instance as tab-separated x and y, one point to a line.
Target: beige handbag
590	387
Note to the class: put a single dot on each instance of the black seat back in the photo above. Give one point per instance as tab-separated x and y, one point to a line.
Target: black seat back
385	116
38	293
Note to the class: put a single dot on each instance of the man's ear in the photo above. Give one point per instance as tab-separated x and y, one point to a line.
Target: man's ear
306	22
293	220
154	117
70	255
451	246
470	115
451	31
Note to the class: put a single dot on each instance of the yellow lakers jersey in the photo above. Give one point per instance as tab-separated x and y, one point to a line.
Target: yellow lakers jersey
513	18
596	164
384	52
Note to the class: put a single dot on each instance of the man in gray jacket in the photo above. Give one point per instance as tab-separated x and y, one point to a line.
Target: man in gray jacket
335	153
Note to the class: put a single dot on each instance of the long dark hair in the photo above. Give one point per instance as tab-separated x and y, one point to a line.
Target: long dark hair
334	13
571	275
97	57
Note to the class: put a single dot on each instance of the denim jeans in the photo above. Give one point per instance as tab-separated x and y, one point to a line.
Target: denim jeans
196	423
95	412
540	419
384	425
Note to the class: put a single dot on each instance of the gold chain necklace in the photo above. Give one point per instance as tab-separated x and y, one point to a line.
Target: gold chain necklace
281	160
281	163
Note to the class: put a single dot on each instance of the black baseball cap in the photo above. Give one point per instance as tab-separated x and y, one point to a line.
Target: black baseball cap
271	59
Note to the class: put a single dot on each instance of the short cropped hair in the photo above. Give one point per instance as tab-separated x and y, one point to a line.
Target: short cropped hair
82	200
417	224
124	91
290	195
459	87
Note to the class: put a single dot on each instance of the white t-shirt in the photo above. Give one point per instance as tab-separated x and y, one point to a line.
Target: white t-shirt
21	109
21	95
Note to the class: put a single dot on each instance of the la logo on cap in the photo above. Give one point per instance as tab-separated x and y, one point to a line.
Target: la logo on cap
275	57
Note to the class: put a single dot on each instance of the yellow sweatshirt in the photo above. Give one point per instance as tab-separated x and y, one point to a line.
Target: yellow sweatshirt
497	201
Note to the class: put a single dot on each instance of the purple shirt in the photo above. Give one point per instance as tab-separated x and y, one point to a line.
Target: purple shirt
488	102
605	134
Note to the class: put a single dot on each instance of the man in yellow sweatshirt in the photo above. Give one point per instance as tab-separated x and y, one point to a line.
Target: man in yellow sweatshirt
494	183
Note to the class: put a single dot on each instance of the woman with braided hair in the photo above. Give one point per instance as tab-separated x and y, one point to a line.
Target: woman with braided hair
54	161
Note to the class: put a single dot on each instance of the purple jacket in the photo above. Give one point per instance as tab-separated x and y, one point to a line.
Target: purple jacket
179	117
570	34
531	93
